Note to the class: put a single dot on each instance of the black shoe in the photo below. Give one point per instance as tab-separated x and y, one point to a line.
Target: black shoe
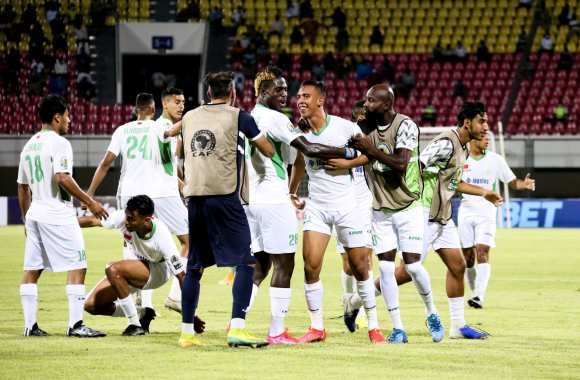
148	315
81	331
134	330
475	303
35	331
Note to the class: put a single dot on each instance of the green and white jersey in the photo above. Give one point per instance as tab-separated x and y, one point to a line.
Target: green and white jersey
139	143
43	156
167	150
157	247
484	171
268	176
434	157
331	189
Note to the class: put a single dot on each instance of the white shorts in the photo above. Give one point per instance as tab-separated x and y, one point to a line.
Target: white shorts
402	230
56	248
475	229
159	274
351	226
273	227
439	236
170	210
368	211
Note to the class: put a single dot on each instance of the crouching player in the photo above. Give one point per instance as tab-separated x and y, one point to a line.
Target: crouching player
148	239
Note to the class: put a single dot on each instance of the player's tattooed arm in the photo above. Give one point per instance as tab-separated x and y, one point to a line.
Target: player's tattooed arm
340	163
321	151
24	199
397	161
298	170
467	188
528	183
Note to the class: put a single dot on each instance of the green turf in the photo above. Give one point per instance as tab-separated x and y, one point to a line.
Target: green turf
532	310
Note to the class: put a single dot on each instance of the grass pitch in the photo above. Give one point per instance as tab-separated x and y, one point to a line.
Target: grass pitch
532	310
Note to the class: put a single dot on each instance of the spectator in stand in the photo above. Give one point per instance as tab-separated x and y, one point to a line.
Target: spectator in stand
363	70
345	67
293	10
51	11
429	114
250	57
406	83
460	90
284	61
239	80
338	18
460	52
560	113
377	37
310	27
190	12
29	15
86	86
293	87
329	61
306	61
483	54
245	41
522	41
342	39
448	54
237	51
437	52
60	67
566	61
277	26
547	44
216	18
318	71
525	4
296	36
306	10
389	71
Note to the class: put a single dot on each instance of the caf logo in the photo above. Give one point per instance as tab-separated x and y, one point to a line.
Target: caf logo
379	166
203	143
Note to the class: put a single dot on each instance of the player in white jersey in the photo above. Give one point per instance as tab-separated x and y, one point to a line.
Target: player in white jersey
477	217
54	241
271	216
171	209
155	259
330	204
140	144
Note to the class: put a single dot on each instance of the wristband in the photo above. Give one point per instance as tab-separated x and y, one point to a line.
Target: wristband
349	153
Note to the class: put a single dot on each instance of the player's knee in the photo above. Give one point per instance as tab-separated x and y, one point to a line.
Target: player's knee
482	254
458	268
413	268
90	306
111	271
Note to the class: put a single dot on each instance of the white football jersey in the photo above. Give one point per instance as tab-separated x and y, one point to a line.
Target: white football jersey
268	176
44	155
484	171
168	149
364	197
140	144
331	189
156	247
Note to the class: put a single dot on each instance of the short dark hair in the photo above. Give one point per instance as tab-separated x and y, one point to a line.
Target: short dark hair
51	105
170	91
220	83
143	100
315	83
142	204
469	110
359	104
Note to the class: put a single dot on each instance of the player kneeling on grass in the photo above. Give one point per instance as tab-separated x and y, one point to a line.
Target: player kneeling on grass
156	258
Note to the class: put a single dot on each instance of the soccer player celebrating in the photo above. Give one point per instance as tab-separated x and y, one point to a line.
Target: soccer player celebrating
54	241
477	217
155	258
443	161
391	152
214	184
173	103
271	216
146	169
330	204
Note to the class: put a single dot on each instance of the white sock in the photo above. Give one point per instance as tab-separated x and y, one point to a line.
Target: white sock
470	275
348	283
118	313
314	293
175	292
187	328
390	292
238	323
367	294
483	274
29	299
130	310
456	311
76	303
422	282
252	297
147	298
279	304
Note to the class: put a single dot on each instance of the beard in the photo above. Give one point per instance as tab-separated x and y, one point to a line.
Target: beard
370	122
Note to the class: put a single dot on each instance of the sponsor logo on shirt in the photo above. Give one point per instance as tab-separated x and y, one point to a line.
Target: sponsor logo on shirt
478	181
203	143
64	163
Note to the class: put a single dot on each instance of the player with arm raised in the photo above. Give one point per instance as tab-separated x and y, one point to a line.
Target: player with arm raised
391	159
330	204
271	216
443	161
150	242
54	241
477	217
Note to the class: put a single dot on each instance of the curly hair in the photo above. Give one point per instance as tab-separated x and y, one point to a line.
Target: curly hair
265	78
